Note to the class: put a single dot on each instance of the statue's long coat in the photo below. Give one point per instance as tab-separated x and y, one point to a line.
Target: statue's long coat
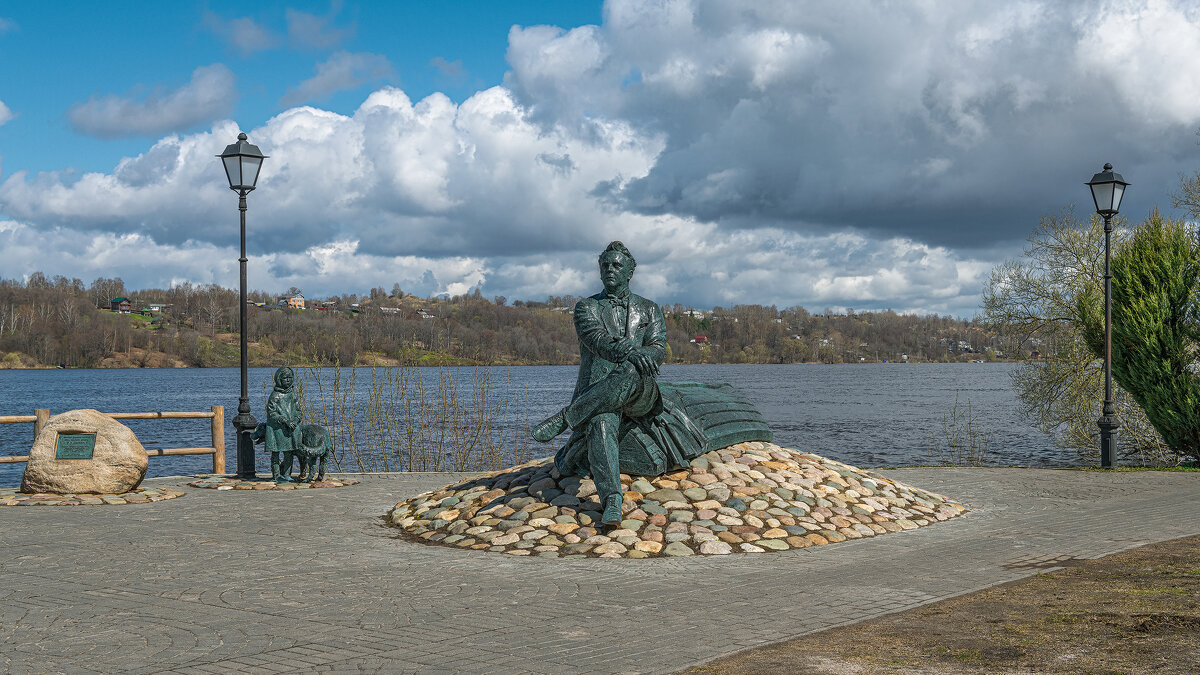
282	406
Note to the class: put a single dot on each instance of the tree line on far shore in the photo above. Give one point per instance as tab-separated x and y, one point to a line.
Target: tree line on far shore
57	321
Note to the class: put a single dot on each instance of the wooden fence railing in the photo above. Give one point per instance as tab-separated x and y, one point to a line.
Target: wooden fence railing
216	416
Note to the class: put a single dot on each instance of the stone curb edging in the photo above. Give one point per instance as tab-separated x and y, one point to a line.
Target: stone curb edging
10	497
748	498
225	483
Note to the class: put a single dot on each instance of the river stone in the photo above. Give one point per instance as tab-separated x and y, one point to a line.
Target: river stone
677	549
715	548
773	544
653	509
565	500
118	461
648	546
718	493
543	484
611	547
667	495
642	485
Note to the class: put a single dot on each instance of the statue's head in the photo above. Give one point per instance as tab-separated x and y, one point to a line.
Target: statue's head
616	266
284	378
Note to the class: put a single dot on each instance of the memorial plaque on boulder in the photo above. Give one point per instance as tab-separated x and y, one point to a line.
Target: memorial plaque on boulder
84	452
74	446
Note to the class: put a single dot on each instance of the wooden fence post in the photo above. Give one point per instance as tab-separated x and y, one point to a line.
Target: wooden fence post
218	438
43	416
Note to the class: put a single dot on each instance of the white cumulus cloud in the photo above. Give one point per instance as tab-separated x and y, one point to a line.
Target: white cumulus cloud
243	33
209	95
341	71
1147	52
316	32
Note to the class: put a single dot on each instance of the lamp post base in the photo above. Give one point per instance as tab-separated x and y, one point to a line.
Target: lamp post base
245	424
1108	441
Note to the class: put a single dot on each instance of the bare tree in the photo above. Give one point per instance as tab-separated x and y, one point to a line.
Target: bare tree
212	306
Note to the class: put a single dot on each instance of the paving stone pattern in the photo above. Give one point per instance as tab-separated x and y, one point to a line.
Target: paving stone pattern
214	482
315	580
752	497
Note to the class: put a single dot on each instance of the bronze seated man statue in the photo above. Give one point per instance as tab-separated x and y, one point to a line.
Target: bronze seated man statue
618	415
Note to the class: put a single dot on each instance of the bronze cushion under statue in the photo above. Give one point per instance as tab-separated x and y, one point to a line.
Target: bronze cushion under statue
618	415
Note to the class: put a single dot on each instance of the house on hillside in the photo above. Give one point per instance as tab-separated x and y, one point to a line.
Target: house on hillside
294	302
425	315
120	305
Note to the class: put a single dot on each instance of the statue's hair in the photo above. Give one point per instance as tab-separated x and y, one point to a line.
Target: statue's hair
620	248
279	372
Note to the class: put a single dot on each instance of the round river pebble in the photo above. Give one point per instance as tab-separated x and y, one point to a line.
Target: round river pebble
748	498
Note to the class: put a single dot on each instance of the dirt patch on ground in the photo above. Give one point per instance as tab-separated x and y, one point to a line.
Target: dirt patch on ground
1133	612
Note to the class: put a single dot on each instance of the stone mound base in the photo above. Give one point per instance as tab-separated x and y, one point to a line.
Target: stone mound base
748	498
226	483
10	497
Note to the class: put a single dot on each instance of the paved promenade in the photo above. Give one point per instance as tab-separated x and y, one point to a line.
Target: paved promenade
242	582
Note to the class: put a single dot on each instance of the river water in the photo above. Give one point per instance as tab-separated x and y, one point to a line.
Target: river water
863	414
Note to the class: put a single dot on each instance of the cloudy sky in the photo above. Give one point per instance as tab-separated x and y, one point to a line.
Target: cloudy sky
853	154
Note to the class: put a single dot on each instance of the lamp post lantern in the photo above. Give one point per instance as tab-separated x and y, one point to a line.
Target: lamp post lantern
242	162
1107	190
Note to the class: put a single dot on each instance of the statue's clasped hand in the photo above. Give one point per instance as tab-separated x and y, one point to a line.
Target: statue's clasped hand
644	363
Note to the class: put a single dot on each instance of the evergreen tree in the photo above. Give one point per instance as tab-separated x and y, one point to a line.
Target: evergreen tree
1155	327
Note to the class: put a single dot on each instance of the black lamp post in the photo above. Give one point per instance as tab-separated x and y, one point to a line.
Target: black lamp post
1107	190
242	162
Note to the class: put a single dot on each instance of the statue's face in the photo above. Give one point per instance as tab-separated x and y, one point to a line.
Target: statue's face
615	270
286	380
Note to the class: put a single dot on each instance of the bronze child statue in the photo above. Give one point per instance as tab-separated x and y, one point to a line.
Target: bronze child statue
282	432
617	414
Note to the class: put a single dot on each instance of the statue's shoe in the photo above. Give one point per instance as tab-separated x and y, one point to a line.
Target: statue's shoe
551	427
612	510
